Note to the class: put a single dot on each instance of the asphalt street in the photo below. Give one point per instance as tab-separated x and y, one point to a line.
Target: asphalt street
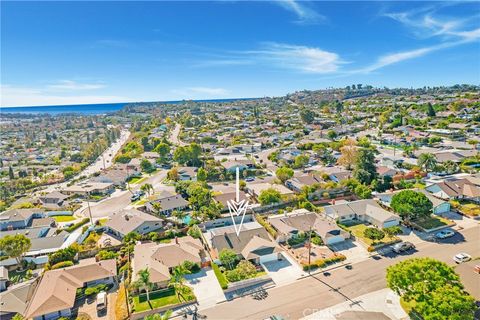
317	292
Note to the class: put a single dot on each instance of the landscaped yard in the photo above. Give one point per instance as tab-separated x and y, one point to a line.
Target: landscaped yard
431	222
358	229
136	180
470	209
159	299
65	218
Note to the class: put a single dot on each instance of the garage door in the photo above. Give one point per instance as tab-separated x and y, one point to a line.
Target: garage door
268	257
335	239
390	223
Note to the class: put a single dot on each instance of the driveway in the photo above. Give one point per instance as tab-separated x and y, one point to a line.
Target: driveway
283	271
461	221
206	288
353	250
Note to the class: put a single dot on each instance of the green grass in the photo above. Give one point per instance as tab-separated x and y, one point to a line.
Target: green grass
103	221
159	299
63	218
431	222
357	231
136	180
222	280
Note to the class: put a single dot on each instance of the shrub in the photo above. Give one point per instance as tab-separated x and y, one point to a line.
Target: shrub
322	263
96	289
105	255
266	225
194	232
392	231
67	254
244	270
77	225
191	266
222	280
371	248
373	233
317	241
62	264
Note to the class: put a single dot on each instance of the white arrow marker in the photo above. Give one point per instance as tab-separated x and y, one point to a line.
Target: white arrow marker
237	207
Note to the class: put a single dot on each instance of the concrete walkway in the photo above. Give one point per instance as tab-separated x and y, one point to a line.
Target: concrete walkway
385	301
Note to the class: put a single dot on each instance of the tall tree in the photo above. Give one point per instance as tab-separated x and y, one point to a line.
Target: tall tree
284	173
15	246
427	161
228	258
349	152
365	170
143	282
411	205
177	280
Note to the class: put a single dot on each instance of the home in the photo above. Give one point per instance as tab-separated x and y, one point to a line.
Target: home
16	298
52	200
89	188
117	176
439	206
252	243
337	174
384	171
187	173
132	220
449	189
161	258
19	218
291	224
298	183
223	198
255	189
367	210
55	295
166	202
232	165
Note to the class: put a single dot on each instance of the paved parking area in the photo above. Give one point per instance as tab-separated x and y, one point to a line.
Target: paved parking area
461	221
469	277
206	287
283	271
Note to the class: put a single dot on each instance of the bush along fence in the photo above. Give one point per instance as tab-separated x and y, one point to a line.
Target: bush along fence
322	263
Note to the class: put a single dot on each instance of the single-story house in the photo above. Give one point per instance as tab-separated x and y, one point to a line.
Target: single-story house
301	220
53	199
168	202
89	188
223	198
16	298
384	171
298	183
455	189
253	242
187	173
232	165
132	220
337	174
161	258
439	206
19	218
55	295
255	189
367	210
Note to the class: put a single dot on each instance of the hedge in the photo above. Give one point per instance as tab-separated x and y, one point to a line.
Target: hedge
267	226
62	264
322	263
77	225
220	276
96	289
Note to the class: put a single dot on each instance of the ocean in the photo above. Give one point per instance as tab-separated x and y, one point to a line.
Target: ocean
90	108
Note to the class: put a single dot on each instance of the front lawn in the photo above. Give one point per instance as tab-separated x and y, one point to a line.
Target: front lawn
359	229
160	299
136	180
470	209
431	222
64	218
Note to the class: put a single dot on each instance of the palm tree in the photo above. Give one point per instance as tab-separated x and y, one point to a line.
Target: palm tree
427	161
158	316
177	281
179	214
143	282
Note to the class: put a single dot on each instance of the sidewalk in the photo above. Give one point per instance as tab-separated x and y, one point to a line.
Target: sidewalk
384	301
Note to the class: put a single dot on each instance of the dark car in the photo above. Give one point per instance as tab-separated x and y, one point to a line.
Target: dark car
403	246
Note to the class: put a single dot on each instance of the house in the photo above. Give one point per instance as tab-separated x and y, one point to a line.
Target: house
223	198
187	173
3	278
367	210
161	258
19	218
132	220
301	220
439	206
53	199
117	176
253	242
232	165
55	295
337	174
88	188
384	171
298	183
16	298
455	189
255	189
166	203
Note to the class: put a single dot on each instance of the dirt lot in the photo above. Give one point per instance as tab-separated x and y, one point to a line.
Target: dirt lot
301	253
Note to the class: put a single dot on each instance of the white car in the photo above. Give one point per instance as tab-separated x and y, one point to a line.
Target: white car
462	257
444	234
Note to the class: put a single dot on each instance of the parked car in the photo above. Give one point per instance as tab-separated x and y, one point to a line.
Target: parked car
135	197
443	234
462	257
249	179
101	300
403	246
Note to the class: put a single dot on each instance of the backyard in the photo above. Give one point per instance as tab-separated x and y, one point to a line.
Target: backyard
160	299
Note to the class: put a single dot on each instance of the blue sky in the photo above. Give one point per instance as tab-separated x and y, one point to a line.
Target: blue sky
100	52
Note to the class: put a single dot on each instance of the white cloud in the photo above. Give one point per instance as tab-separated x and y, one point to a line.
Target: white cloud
73	85
25	96
305	14
299	58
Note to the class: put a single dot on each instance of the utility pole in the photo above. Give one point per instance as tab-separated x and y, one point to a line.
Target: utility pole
309	248
90	212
